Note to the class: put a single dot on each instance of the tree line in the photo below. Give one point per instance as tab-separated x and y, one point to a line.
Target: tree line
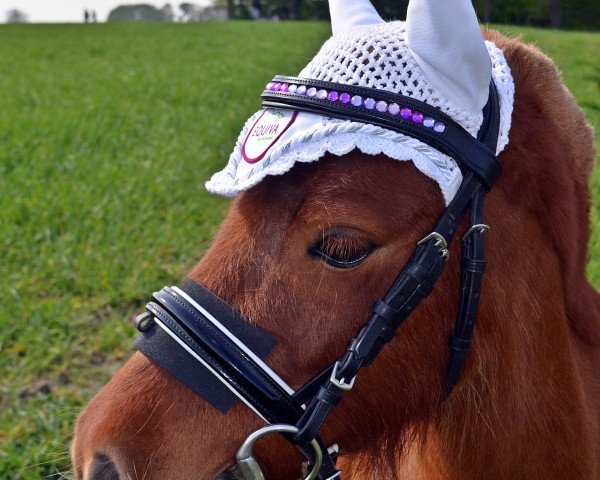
185	12
571	14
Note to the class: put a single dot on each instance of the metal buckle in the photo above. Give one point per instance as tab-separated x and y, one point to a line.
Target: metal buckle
440	242
341	384
478	227
250	468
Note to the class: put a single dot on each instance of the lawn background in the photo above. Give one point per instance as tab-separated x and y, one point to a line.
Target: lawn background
107	134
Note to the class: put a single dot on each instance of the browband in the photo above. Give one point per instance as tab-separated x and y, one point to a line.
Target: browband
209	346
387	110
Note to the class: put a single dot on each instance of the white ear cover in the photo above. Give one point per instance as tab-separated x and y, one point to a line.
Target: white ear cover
346	14
446	42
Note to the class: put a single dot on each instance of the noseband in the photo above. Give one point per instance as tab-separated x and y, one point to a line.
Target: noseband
206	344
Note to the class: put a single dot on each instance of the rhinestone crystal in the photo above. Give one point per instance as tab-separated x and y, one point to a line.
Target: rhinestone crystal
357	100
394	109
428	122
406	113
322	94
417	117
370	103
381	106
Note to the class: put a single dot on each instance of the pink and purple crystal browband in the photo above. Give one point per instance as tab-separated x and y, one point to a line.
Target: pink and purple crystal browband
358	101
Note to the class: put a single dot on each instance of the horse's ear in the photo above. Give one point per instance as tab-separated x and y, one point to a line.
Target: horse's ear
446	41
346	14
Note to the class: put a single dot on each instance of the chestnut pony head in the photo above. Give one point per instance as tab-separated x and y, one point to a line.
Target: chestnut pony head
305	254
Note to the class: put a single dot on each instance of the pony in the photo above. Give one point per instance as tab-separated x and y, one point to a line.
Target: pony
528	403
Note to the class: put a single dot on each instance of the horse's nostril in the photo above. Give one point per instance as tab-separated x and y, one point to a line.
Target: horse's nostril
103	468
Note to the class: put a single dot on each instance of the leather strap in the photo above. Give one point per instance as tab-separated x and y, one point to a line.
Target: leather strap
165	347
454	141
225	357
414	283
473	262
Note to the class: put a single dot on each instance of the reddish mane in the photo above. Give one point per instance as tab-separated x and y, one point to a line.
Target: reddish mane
551	158
528	405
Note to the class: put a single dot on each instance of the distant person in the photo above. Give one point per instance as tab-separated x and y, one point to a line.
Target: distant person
86	16
94	17
256	9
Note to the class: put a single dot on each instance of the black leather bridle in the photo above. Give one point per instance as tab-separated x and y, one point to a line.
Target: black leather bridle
201	333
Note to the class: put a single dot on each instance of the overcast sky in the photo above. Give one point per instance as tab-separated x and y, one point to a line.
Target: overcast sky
69	10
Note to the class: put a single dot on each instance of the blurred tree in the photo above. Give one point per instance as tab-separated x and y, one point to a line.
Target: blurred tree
235	8
487	11
16	16
555	14
141	12
295	8
581	14
314	10
189	11
192	12
167	12
544	13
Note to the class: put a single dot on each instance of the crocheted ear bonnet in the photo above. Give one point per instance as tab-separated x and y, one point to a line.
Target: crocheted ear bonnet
437	56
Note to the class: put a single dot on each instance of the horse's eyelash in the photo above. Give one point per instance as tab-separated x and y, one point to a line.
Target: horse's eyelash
344	246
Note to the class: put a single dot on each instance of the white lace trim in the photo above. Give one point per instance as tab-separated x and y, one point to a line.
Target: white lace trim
341	137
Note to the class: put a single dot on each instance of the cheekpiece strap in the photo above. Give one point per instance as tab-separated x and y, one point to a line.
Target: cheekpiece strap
395	112
413	284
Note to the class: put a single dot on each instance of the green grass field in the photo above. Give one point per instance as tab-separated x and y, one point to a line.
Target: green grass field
107	134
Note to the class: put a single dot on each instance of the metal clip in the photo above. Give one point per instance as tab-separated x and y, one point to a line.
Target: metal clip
478	227
250	468
341	384
440	243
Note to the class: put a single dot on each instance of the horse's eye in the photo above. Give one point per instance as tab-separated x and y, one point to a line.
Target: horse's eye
341	249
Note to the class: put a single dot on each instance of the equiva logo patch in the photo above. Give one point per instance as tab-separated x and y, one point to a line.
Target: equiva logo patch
265	132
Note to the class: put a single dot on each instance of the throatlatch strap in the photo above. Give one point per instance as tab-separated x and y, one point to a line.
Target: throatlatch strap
473	262
472	270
